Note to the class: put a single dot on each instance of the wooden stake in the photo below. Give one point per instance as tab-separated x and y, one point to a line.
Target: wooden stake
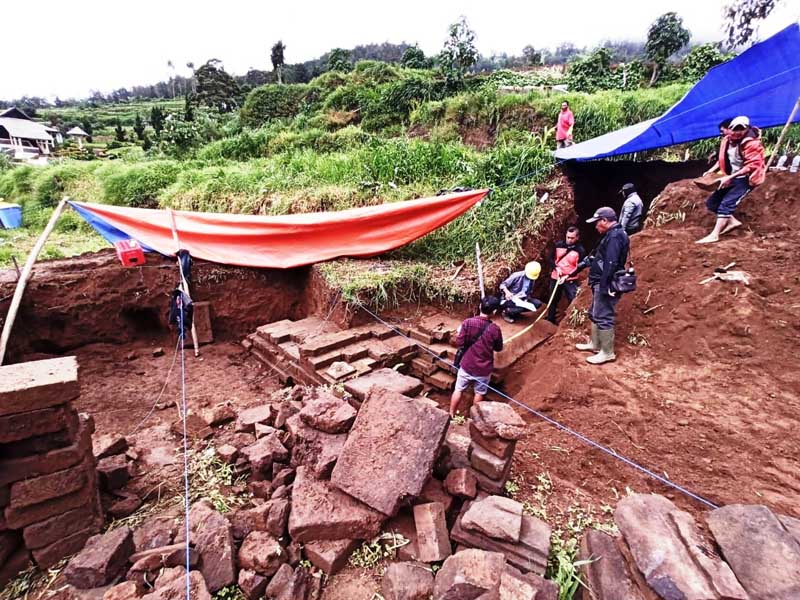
23	278
480	268
783	133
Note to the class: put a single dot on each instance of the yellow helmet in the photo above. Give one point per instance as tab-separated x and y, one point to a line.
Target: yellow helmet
532	270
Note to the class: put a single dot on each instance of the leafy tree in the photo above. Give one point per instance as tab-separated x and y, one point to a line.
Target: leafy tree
277	59
414	58
700	60
86	125
157	119
665	37
119	132
531	55
188	108
741	19
339	60
215	87
138	127
592	73
458	55
146	143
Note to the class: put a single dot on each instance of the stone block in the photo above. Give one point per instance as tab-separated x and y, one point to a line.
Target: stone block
320	344
461	483
278	516
457	442
441	380
113	472
489	485
394	440
433	491
497	419
227	453
247	418
60	526
791	524
496	517
386	379
422	367
330	556
175	588
403	525
515	585
487	463
655	531
433	541
195	427
498	446
762	554
101	560
252	584
407	581
314	448
19	517
328	413
262	553
154	533
122	591
213	539
19	426
46	487
247	520
35	385
107	445
16	469
279	585
529	554
264	452
124	506
321	512
218	414
605	572
468	575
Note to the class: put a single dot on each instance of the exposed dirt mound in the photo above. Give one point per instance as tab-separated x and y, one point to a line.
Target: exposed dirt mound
705	388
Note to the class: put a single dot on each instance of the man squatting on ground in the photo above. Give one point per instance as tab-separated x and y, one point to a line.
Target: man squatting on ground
741	158
482	339
609	257
519	285
564	260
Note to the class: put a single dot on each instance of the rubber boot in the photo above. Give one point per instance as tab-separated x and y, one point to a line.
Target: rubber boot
606	353
593	345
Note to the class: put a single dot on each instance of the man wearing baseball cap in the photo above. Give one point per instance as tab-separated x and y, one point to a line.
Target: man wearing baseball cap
741	158
610	256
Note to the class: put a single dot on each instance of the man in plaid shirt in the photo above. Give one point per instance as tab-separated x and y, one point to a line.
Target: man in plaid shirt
482	338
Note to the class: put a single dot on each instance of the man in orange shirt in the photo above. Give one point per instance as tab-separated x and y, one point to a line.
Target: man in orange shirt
564	261
566	120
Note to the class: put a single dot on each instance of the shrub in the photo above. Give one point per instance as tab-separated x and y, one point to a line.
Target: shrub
272	101
248	144
700	60
140	185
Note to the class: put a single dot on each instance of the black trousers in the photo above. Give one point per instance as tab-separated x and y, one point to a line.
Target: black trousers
569	289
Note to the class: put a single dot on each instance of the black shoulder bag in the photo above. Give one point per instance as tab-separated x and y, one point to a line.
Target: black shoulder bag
463	349
623	281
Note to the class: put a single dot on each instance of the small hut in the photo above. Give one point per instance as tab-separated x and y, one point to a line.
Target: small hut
79	134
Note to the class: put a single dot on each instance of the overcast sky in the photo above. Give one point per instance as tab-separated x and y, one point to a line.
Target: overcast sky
68	47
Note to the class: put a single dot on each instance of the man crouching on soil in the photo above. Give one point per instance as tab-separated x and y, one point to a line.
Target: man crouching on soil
741	158
480	339
610	256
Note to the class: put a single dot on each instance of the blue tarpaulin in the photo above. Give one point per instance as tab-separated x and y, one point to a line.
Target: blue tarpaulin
762	83
10	215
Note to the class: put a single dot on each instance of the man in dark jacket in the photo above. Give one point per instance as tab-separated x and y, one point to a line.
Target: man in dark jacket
564	261
482	339
631	214
609	257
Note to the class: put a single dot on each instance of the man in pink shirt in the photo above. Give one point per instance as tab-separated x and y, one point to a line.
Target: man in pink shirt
564	127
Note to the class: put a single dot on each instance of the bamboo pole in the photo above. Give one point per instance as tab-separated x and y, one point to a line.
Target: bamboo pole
480	268
783	133
23	279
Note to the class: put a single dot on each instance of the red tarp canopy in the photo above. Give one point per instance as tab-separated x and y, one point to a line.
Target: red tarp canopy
283	241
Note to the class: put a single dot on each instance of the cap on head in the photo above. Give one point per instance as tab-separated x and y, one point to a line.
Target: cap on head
532	270
627	188
740	123
604	212
489	305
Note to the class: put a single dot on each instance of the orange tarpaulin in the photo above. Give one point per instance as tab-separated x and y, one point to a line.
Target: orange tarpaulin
282	241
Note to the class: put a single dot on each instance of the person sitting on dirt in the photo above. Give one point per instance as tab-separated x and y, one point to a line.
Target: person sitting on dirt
741	158
610	256
566	121
564	260
519	286
630	217
478	339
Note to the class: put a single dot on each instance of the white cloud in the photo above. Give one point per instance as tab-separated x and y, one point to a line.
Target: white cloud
106	45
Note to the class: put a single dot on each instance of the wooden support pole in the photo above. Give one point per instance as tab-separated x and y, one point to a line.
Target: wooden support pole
480	269
23	279
783	134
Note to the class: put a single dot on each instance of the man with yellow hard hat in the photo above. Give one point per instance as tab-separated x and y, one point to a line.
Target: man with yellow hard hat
517	290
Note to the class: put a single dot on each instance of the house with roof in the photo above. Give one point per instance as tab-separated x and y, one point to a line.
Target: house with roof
22	137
